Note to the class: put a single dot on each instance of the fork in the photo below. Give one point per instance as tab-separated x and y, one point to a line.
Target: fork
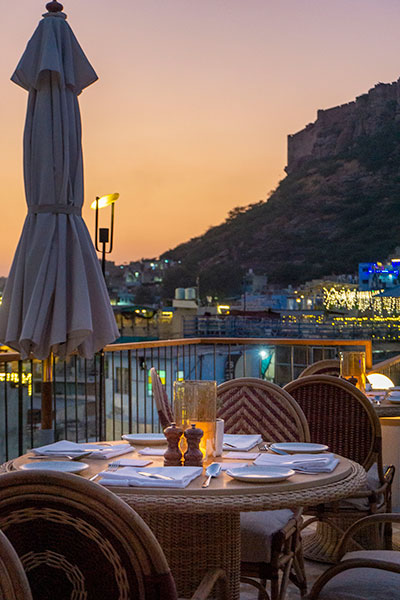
112	467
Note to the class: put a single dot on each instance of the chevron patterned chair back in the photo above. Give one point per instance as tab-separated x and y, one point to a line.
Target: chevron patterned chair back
271	547
161	399
250	405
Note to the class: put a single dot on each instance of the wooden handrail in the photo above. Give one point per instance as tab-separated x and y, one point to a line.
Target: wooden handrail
384	364
367	344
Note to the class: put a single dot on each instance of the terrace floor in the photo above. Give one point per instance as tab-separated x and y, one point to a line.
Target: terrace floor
313	571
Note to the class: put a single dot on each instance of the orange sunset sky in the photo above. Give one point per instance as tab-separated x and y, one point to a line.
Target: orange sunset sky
194	101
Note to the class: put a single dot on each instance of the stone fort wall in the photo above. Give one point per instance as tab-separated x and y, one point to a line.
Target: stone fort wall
336	128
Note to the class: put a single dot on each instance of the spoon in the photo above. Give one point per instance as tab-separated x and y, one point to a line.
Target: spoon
212	471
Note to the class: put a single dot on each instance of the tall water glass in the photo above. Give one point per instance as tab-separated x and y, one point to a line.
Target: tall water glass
352	368
196	402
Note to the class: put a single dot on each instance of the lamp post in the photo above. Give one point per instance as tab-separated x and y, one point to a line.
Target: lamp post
103	236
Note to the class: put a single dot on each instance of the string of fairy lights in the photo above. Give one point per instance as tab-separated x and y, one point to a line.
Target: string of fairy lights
368	301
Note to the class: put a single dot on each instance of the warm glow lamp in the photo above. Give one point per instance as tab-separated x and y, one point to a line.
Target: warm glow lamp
379	381
104	201
104	235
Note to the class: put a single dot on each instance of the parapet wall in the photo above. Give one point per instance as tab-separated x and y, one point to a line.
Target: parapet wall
336	128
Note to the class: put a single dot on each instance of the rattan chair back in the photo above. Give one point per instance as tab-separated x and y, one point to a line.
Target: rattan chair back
340	416
13	581
323	367
250	405
164	409
77	540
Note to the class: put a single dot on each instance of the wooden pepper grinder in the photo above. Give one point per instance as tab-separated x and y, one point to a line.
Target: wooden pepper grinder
173	454
193	456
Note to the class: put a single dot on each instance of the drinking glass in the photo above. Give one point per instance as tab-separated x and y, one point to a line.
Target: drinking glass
352	366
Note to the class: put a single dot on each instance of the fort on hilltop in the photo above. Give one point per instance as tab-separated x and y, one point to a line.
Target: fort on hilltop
336	128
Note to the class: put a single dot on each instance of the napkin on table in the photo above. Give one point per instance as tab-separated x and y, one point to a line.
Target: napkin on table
311	463
241	442
63	447
105	452
242	455
66	448
129	476
152	451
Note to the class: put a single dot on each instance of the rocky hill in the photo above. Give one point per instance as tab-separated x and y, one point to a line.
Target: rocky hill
338	205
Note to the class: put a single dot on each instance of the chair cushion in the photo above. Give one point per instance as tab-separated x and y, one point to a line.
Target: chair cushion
392	556
257	530
373	483
365	583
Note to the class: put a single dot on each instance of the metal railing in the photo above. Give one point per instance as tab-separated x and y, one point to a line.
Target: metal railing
128	401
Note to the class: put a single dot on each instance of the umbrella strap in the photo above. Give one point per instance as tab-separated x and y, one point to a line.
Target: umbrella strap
55	209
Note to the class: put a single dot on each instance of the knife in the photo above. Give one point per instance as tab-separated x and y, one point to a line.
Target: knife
155	475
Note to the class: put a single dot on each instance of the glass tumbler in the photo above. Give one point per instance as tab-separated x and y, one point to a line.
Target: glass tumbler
352	366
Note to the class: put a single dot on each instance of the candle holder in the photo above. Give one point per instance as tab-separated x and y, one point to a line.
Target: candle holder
196	402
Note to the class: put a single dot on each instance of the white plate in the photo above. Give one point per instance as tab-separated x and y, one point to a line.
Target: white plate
56	465
145	439
299	447
394	399
267	474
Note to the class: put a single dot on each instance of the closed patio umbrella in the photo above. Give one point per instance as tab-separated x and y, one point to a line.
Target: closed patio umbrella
55	300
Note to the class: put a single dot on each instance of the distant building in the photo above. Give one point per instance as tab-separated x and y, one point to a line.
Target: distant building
378	276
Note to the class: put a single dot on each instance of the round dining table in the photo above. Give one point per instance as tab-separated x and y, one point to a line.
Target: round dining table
199	528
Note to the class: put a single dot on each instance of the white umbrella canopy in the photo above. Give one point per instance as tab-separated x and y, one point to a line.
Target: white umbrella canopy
55	299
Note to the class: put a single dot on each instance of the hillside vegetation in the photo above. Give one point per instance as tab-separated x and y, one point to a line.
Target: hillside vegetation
325	217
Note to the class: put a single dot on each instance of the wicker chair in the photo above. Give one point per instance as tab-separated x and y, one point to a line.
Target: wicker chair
270	540
77	540
340	416
160	396
362	574
322	367
13	581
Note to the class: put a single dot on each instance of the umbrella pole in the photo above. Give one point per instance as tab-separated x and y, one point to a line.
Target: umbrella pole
47	432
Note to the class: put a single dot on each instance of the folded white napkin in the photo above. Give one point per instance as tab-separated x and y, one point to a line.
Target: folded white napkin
242	455
152	451
63	447
311	463
128	476
66	448
241	442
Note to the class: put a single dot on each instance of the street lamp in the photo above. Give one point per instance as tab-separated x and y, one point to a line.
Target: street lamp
104	235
